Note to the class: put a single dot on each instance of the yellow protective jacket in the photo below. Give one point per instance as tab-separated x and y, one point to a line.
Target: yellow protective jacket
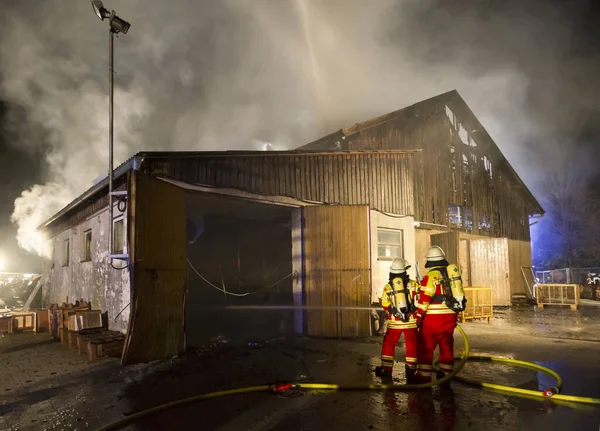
431	286
387	300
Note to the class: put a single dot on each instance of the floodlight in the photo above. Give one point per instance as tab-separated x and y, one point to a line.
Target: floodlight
119	25
100	10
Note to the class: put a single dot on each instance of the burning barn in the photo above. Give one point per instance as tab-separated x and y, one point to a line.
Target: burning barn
317	226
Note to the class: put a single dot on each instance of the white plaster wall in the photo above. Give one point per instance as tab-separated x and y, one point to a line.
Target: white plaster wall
381	268
108	289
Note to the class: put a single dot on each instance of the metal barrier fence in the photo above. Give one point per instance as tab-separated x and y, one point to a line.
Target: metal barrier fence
569	276
479	304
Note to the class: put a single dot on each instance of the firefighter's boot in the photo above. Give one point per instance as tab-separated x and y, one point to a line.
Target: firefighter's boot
411	377
382	372
445	385
385	374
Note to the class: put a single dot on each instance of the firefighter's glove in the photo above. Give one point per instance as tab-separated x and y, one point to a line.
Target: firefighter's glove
419	320
393	310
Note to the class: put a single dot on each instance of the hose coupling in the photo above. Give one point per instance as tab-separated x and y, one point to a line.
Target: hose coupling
283	387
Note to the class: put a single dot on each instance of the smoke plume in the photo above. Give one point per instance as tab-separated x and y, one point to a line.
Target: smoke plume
236	74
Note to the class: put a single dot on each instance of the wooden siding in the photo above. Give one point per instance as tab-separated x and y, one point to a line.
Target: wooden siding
462	165
383	180
519	255
454	172
464	261
156	327
490	268
448	241
337	270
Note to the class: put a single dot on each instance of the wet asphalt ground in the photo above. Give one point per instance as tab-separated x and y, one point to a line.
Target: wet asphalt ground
44	386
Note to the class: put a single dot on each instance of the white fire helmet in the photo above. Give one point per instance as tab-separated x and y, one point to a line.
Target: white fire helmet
398	266
435	254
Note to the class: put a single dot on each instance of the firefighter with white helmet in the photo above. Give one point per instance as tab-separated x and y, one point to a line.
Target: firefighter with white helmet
441	298
397	300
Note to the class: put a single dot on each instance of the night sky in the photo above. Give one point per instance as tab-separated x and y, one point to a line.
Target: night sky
236	74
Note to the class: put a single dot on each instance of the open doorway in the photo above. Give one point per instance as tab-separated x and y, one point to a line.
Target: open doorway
239	256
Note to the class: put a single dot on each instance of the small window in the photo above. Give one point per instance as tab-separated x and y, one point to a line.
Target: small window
87	246
66	252
460	216
118	237
389	244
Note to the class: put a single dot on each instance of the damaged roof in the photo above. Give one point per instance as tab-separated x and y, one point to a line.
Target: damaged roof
452	99
137	161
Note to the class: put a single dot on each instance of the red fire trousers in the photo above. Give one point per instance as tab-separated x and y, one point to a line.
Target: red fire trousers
392	336
437	330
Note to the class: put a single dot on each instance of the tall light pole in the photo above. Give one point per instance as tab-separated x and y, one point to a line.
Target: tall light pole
116	25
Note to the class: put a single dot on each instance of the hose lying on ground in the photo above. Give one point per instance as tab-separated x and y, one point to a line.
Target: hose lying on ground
552	393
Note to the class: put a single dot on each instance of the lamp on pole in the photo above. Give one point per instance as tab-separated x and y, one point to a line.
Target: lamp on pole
116	25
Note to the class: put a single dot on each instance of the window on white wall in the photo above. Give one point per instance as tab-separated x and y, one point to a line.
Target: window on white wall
389	244
87	246
66	252
118	237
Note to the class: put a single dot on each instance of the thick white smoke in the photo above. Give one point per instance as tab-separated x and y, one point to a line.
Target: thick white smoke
208	75
32	208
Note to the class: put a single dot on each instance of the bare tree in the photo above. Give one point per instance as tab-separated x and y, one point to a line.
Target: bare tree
571	228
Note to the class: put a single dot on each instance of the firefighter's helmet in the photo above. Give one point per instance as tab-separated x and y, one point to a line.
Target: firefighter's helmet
398	266
435	254
406	265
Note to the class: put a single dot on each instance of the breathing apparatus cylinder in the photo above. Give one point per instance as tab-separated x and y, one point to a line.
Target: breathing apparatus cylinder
453	287
454	294
400	296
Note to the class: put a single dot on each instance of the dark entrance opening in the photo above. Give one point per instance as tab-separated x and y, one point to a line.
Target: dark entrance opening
239	255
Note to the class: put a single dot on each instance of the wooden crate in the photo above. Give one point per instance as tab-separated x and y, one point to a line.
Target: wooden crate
72	340
84	336
22	321
107	347
99	342
559	294
479	304
58	316
88	319
42	322
5	324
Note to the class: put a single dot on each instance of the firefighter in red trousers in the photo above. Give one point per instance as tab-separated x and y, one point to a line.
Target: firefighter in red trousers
441	298
397	300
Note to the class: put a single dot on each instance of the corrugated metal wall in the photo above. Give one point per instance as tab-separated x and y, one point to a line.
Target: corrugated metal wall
383	180
159	282
337	270
490	268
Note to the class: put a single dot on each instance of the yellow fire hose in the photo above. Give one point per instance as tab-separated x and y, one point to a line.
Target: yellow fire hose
550	393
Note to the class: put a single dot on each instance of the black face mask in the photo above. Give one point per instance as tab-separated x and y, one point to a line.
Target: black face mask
433	264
